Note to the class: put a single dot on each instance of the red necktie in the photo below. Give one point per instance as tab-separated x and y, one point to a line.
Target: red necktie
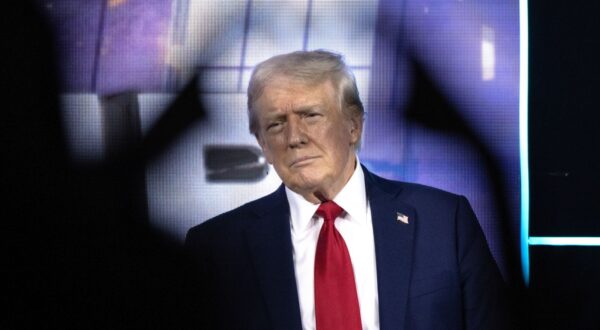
336	302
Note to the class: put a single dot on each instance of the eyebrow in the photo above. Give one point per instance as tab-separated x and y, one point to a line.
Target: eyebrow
307	108
275	116
301	109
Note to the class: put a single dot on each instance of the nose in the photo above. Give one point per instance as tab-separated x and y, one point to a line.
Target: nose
296	134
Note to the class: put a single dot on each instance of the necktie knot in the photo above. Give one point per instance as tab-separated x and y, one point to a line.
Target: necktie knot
329	210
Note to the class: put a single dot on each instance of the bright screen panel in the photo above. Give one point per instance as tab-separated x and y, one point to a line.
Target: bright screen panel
414	60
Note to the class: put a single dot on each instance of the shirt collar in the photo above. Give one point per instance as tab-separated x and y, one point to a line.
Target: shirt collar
301	211
352	198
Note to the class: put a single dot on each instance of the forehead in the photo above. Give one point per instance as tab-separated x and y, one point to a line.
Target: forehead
283	93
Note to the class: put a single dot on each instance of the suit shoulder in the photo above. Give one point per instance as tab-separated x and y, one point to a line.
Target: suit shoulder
420	190
413	190
236	219
439	203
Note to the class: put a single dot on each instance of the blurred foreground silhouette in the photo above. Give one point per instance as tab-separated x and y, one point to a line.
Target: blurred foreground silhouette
77	249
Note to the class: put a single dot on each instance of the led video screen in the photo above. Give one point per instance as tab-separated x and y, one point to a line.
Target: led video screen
439	81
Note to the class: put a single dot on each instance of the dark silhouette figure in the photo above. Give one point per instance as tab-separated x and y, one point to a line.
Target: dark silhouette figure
77	249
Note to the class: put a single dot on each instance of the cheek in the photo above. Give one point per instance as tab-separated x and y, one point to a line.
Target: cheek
265	149
267	156
342	139
268	153
270	149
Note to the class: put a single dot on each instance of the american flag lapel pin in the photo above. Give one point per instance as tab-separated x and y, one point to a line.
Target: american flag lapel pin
401	217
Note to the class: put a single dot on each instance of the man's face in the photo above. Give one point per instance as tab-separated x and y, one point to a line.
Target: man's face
306	137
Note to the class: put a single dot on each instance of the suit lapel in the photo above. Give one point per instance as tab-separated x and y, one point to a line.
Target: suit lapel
393	249
270	246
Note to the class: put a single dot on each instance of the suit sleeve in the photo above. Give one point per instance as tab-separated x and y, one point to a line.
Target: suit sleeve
483	289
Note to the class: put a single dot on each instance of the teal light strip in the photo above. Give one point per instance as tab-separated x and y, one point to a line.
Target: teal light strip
523	134
565	241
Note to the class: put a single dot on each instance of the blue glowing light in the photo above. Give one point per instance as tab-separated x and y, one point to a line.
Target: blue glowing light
523	141
565	241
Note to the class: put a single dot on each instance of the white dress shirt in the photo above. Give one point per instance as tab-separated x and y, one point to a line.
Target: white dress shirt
356	228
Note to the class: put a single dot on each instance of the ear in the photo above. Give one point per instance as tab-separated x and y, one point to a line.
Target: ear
356	126
264	147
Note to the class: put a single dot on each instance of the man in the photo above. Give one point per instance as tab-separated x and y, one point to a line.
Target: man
337	247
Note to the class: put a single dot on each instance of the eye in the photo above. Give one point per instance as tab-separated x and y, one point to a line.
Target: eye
274	126
312	115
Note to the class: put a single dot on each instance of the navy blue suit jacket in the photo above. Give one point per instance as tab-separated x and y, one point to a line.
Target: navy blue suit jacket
436	272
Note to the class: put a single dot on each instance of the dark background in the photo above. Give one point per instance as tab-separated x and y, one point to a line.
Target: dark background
565	172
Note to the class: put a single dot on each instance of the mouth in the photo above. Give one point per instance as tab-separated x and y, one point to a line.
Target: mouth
302	161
